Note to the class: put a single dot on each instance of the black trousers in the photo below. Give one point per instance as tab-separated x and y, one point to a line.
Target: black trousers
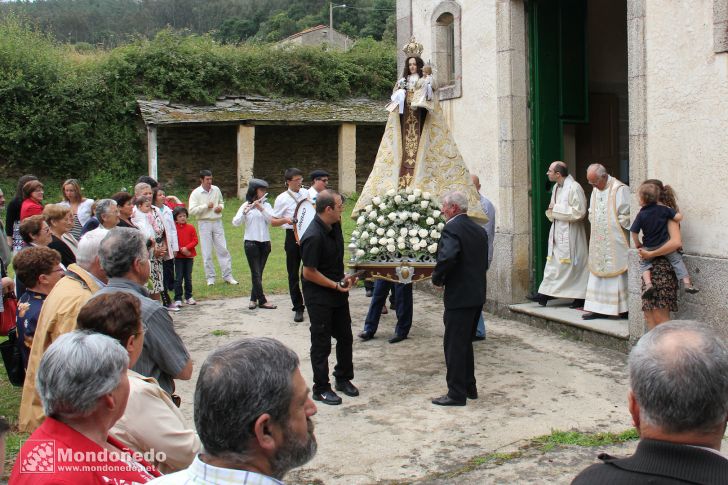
257	253
293	265
183	274
168	274
460	326
327	322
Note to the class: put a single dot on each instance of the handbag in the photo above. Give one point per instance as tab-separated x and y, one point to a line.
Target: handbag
12	359
9	313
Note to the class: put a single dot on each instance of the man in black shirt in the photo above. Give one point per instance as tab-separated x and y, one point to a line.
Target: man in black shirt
326	292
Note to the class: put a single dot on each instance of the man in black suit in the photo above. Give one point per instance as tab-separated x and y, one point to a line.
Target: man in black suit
461	267
678	400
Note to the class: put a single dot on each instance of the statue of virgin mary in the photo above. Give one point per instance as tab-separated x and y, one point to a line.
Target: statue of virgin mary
417	150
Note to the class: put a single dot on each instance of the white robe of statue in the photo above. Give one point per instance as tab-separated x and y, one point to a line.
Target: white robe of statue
566	274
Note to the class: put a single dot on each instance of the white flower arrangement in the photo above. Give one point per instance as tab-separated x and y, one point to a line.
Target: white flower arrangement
403	225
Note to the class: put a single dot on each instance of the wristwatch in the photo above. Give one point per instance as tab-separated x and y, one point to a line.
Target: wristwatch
342	283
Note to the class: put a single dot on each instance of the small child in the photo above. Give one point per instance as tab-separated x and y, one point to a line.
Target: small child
143	218
652	221
184	258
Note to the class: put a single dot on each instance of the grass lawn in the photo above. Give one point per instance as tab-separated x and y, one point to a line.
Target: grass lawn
275	280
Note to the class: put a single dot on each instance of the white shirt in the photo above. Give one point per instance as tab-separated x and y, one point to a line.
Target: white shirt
200	473
312	194
84	210
199	200
256	221
285	205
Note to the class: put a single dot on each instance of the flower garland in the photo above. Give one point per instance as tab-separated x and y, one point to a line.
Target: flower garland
403	225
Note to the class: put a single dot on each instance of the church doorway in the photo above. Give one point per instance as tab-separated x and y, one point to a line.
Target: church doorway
578	99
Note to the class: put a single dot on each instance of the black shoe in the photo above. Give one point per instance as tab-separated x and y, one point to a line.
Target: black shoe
472	392
397	338
691	289
535	297
446	400
577	303
366	336
593	316
539	298
298	317
327	397
347	388
478	338
369	293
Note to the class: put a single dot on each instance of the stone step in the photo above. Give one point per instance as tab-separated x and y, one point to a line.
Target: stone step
557	317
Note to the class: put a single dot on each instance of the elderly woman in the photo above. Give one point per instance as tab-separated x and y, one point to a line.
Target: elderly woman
35	231
12	215
60	220
32	200
79	205
256	213
153	219
107	214
159	200
151	421
125	203
83	384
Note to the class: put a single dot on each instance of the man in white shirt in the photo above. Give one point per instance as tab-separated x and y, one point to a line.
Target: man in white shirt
319	182
206	204
283	210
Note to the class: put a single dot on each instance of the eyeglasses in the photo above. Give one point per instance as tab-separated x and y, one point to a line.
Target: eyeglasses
324	180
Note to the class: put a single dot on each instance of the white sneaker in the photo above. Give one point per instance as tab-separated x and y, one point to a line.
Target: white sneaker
172	307
231	281
210	281
178	303
191	301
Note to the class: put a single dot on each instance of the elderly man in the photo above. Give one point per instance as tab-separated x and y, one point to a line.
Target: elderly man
326	290
206	204
253	414
566	273
58	316
125	258
461	267
678	400
84	388
606	291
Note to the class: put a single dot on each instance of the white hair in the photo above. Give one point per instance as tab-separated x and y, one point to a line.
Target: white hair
88	248
456	198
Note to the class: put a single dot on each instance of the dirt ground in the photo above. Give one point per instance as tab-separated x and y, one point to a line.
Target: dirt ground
530	383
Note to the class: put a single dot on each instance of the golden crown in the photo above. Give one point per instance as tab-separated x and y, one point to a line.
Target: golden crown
413	48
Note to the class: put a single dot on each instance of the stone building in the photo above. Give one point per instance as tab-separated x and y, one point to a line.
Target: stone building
638	85
319	35
241	137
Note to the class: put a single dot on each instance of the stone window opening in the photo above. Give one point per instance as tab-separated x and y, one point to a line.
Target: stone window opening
446	50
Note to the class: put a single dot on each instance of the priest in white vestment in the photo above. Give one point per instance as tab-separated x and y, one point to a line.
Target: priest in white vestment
565	274
606	292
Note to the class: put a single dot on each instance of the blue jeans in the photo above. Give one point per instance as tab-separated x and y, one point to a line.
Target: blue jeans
480	331
183	273
403	305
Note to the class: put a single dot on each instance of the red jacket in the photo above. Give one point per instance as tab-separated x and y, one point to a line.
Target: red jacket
29	207
187	238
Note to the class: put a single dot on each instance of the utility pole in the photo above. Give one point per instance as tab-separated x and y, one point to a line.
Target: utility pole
331	21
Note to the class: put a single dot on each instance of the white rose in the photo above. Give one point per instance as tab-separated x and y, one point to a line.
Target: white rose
361	220
414	241
391	248
411	198
376	201
432	248
368	207
382	206
409	190
436	213
354	233
380	231
422	232
404	215
417	192
397	199
440	226
412	232
426	195
390	232
383	241
401	240
375	250
380	220
401	246
364	235
415	216
392	216
390	240
424	204
434	234
430	221
403	231
372	215
373	240
391	193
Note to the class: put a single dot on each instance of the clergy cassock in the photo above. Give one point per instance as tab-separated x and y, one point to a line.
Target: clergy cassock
606	291
566	273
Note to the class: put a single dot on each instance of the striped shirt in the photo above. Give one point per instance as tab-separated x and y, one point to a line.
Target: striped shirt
200	473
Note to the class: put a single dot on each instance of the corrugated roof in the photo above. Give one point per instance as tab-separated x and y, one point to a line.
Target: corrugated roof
262	110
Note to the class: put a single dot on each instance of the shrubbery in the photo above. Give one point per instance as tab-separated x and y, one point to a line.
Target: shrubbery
64	112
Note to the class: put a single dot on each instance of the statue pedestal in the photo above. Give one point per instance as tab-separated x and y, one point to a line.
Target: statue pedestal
396	272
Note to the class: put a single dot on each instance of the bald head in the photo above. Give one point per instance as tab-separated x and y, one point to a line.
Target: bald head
557	172
597	175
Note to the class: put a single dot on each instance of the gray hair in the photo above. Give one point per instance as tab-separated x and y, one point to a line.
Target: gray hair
120	248
139	188
76	370
598	169
679	377
88	248
457	198
237	383
103	207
